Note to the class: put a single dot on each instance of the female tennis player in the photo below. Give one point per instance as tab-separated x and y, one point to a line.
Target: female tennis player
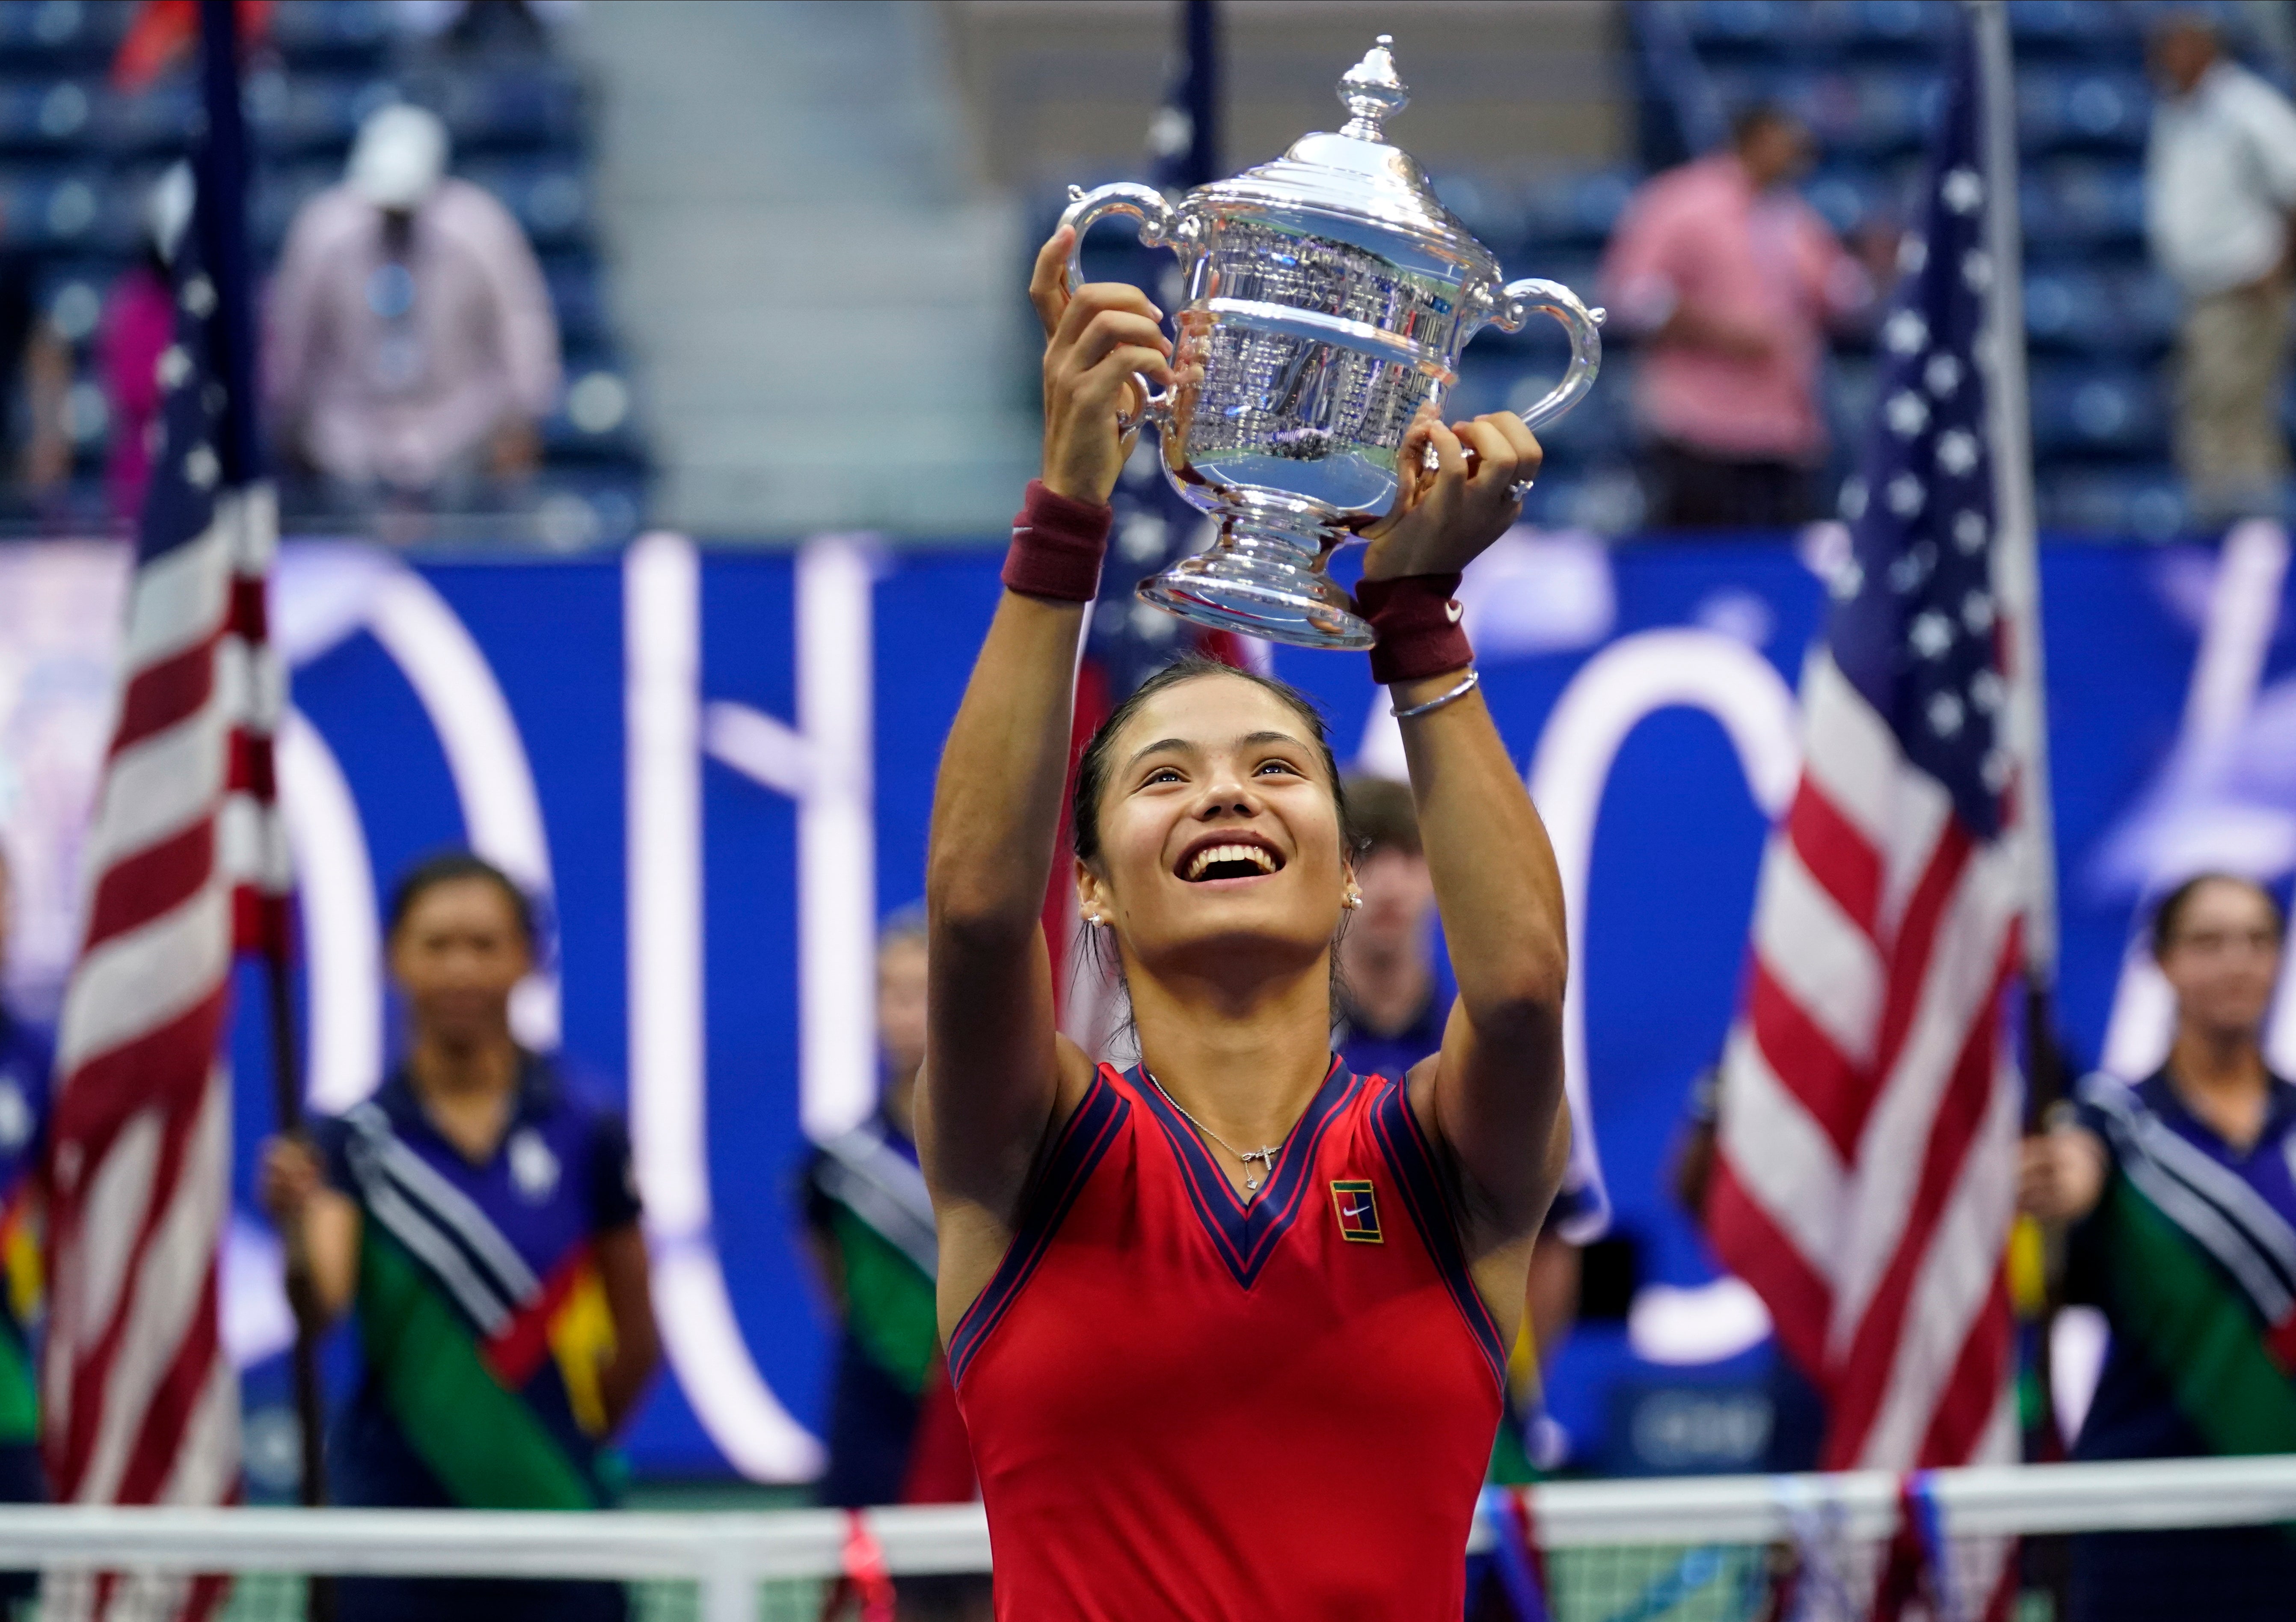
1227	1328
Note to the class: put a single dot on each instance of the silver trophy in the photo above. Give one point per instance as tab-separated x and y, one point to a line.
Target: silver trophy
1328	297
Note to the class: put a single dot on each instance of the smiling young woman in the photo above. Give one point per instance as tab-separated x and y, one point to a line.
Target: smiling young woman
1226	1328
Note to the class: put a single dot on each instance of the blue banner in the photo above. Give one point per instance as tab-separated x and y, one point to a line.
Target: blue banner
717	770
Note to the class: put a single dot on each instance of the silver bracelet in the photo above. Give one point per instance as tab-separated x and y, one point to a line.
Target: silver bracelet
1441	699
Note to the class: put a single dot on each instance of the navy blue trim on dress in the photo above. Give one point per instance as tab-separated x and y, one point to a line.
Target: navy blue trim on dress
1413	1161
1083	1141
1245	1236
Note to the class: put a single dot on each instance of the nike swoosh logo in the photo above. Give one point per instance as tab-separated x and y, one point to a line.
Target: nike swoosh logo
1453	611
1357	1210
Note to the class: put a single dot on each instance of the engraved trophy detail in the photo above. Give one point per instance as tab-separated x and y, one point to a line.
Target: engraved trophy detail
1328	294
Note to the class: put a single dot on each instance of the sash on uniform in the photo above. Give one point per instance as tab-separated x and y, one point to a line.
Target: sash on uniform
2202	1276
475	1354
882	1224
20	1277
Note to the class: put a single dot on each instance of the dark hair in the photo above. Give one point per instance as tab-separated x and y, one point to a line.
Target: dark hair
903	925
2171	910
451	866
1092	765
1383	815
1758	116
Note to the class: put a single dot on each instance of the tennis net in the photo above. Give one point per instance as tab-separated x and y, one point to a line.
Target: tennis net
1952	1545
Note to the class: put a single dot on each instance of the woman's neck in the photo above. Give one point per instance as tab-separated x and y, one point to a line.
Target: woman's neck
466	1089
1244	1059
2221	1077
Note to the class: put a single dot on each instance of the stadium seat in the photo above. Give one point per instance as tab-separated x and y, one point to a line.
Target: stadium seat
577	296
529	108
2146	501
550	197
313	115
51	207
44	115
332	34
2096	409
2083	110
59	35
1577	209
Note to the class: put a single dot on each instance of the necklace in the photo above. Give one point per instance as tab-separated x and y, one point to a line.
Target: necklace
1264	1155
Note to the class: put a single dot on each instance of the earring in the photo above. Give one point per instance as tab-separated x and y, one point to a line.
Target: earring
1352	899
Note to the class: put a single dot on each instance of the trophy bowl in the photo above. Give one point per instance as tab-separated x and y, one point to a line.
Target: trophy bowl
1327	295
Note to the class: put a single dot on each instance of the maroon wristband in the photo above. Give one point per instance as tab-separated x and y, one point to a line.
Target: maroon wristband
1416	620
1057	544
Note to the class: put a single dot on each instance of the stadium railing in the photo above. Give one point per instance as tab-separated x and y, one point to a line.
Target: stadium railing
1613	1550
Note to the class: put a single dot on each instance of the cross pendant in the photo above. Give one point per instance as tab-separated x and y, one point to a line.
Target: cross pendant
1266	1156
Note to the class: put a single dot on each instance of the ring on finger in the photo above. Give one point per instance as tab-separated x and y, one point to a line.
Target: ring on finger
1520	489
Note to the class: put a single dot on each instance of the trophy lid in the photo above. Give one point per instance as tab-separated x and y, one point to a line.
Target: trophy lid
1355	174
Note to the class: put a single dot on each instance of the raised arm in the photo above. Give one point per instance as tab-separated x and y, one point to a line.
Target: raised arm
1494	1095
997	1076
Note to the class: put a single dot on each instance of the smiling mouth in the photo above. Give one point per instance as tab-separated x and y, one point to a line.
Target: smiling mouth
1230	862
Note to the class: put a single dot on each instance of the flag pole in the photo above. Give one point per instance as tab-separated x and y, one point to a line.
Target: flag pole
224	163
2017	579
2017	590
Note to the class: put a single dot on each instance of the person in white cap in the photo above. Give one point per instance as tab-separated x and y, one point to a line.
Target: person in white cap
411	346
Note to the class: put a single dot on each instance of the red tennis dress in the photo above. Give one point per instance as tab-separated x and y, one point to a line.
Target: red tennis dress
1183	1407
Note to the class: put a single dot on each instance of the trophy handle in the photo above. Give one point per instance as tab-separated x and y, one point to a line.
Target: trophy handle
1517	301
1157	216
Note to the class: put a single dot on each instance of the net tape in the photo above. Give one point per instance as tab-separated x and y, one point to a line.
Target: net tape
726	1555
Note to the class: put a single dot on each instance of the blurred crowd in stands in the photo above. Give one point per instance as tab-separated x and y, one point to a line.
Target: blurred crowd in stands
437	360
442	367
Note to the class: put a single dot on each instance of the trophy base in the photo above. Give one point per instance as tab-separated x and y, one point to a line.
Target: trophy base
1260	582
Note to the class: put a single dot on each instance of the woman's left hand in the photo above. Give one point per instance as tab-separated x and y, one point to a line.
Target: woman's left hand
1444	518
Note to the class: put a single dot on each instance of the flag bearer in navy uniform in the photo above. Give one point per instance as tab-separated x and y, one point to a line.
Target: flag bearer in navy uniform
27	1063
894	1433
2183	1188
478	1217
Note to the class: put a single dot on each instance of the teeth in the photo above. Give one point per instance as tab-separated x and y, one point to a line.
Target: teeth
1251	853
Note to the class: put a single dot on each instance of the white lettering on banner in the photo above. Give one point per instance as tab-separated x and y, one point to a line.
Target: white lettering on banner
485	755
823	764
343	934
1633	678
321	596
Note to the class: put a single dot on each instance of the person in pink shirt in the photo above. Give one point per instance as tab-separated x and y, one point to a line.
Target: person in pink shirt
412	348
1729	281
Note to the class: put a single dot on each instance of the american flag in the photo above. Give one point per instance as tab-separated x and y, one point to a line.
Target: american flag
1869	1112
186	863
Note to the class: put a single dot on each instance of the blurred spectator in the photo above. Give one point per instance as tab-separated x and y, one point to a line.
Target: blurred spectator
1392	1016
139	322
26	1062
871	1227
36	371
2183	1191
481	1215
2220	181
894	1434
1730	279
411	345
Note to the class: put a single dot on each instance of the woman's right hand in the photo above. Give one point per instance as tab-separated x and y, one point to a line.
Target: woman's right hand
1097	340
288	1179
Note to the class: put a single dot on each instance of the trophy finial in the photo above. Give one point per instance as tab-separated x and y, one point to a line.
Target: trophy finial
1370	91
